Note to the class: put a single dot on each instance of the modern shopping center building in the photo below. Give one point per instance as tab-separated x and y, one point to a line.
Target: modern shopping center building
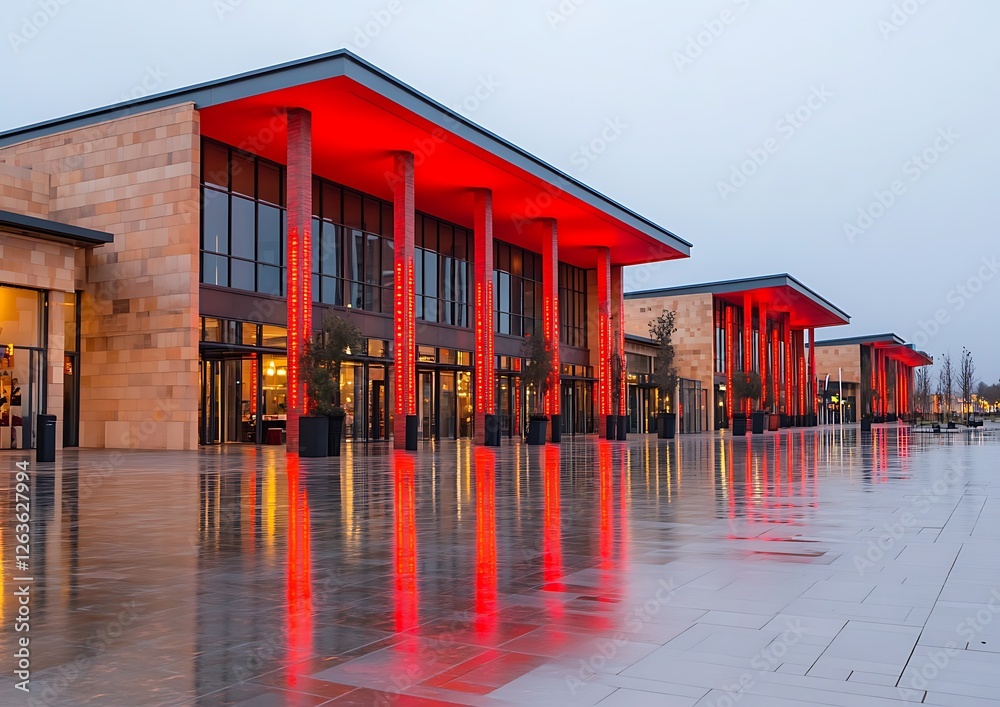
885	362
756	324
164	260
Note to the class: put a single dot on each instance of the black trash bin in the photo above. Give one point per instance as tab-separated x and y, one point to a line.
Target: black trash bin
45	438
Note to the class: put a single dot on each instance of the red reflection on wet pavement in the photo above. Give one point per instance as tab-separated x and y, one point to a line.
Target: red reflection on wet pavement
486	542
405	546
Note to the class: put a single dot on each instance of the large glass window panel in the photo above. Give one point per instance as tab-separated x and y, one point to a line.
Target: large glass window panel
69	321
430	234
388	262
242	274
215	165
387	300
430	273
352	209
316	242
387	220
243	228
355	295
332	291
503	292
373	251
269	183
269	280
461	244
242	169
373	215
21	316
215	221
332	210
269	220
356	263
445	239
215	270
330	249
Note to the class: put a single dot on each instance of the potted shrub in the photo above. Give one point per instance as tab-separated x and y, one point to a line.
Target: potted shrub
664	375
535	374
746	387
323	358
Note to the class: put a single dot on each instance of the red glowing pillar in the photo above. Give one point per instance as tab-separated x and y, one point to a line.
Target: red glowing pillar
763	344
404	298
618	317
483	274
405	542
800	367
747	345
605	341
812	371
550	320
789	404
486	542
730	360
775	372
298	258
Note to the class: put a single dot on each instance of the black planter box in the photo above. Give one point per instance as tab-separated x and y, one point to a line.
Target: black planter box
611	427
666	425
866	424
758	422
314	436
492	431
786	421
336	434
773	422
412	427
536	431
623	423
556	424
739	425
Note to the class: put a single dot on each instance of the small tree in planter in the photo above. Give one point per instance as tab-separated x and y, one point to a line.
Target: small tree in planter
746	387
322	363
535	374
664	375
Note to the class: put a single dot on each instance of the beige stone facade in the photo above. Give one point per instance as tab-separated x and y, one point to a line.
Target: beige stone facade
830	359
136	177
694	339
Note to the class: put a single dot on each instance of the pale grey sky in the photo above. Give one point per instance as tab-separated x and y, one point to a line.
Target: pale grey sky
852	144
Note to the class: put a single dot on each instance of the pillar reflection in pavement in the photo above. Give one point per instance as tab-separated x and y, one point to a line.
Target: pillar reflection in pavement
606	494
299	570
405	541
486	541
552	570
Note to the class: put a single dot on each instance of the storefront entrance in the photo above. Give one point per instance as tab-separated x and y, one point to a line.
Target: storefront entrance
444	404
577	407
229	400
22	365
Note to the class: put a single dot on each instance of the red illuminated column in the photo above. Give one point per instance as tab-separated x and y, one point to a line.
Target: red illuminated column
730	360
299	245
404	298
550	319
775	372
605	340
483	274
812	371
789	398
800	368
763	344
618	317
747	344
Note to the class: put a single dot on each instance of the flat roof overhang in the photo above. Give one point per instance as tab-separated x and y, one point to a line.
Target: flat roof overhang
781	293
361	116
894	347
34	227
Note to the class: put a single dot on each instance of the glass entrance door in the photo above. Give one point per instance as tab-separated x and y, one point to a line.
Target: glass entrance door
425	401
229	401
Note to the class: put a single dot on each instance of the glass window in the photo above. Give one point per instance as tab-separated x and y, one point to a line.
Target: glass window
242	274
330	249
373	215
242	168
212	330
269	183
269	280
269	220
215	221
69	319
352	210
249	334
215	165
373	251
243	228
20	317
215	270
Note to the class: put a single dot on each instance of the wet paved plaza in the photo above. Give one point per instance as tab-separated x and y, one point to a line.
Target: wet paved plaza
806	567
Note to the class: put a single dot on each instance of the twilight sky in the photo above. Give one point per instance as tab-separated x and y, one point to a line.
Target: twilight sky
853	144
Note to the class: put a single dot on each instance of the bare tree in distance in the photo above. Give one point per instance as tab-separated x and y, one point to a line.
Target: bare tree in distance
967	382
945	389
923	391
